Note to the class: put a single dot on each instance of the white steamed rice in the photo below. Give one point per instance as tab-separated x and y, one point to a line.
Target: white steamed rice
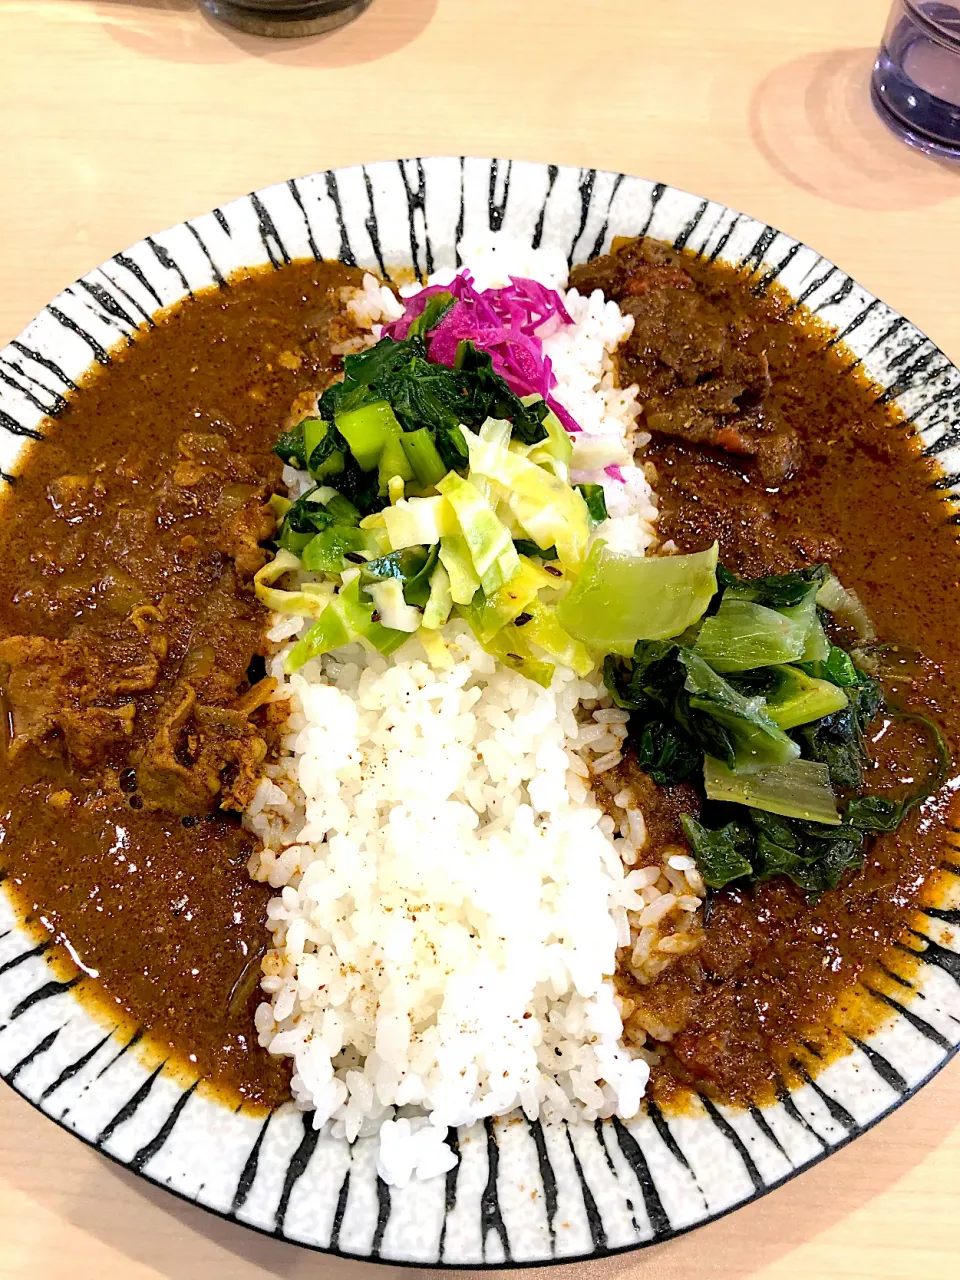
451	898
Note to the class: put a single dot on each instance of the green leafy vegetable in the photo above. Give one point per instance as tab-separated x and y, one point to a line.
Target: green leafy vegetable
742	635
412	567
795	789
792	696
838	740
596	501
837	667
619	599
330	550
323	448
812	855
304	519
290	448
393	463
721	854
424	458
527	548
432	397
747	735
437	306
342	509
490	397
874	813
775	591
846	607
880	813
761	845
367	429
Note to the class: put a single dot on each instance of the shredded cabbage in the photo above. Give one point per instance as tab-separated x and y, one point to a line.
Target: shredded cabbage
488	540
543	630
456	559
415	522
549	511
394	611
488	614
309	604
440	601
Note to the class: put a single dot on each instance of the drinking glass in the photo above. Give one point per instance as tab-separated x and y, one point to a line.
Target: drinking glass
285	17
916	78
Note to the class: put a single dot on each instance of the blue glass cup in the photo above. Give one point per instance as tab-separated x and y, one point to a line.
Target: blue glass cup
285	17
916	78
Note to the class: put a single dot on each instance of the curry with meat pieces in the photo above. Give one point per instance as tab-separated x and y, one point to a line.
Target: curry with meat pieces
131	649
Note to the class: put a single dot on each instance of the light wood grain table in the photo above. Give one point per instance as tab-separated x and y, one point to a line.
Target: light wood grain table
118	117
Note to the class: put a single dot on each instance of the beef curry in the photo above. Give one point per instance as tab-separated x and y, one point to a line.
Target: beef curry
132	644
131	649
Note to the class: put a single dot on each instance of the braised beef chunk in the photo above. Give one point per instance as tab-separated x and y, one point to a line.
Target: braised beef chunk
65	696
700	366
200	750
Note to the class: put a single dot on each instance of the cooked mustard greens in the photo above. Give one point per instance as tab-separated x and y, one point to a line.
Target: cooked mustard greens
777	747
439	491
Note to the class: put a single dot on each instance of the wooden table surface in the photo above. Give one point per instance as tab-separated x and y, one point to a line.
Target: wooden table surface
118	117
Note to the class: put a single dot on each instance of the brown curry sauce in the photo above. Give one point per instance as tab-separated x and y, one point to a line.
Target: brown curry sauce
159	906
776	972
175	943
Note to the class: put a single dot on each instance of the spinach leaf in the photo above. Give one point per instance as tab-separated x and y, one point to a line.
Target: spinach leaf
667	754
307	515
413	567
324	447
813	856
489	396
432	396
777	590
289	447
721	854
837	667
527	548
649	686
839	740
437	306
362	488
760	846
879	813
874	813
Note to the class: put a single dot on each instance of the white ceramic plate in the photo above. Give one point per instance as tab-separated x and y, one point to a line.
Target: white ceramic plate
520	1193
